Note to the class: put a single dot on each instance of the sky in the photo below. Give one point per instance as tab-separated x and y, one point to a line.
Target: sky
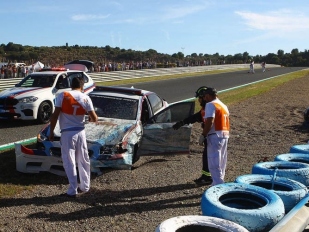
227	27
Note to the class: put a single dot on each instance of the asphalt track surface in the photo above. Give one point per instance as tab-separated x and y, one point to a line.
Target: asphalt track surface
171	90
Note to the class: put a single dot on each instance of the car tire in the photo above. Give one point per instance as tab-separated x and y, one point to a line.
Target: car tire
302	148
253	207
292	170
198	223
44	112
290	191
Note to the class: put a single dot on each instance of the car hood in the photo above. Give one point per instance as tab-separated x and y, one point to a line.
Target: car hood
108	132
19	92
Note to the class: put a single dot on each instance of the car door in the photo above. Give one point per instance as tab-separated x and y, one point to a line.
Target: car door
158	135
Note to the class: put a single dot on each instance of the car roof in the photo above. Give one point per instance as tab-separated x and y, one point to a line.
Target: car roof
119	91
49	72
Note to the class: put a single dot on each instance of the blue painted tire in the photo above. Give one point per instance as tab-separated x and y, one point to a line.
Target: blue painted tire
302	148
292	170
198	223
293	157
290	191
253	207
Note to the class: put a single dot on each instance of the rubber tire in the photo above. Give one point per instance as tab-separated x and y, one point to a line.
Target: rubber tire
302	148
290	191
293	157
44	112
292	170
203	223
255	208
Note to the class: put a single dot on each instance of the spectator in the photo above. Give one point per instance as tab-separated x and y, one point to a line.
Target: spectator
263	66
2	72
23	71
14	71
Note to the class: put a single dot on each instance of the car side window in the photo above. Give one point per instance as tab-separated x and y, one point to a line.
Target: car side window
156	102
79	75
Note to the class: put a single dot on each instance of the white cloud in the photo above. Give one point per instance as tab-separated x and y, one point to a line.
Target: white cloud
275	21
88	17
181	11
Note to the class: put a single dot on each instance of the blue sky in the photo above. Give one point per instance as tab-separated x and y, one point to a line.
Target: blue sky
226	27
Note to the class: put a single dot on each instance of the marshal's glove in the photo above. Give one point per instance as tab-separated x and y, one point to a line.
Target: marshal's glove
201	140
177	125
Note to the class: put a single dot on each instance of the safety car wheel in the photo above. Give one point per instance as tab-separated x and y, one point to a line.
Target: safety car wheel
253	207
198	223
44	112
290	191
292	170
302	148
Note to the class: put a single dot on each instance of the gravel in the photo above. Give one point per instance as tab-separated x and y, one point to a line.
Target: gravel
161	187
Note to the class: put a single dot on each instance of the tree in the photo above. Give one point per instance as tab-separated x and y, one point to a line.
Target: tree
280	53
245	56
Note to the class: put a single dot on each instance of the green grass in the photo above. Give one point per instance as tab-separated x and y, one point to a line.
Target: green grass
13	182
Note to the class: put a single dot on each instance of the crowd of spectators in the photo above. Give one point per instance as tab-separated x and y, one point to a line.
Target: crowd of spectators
13	71
122	66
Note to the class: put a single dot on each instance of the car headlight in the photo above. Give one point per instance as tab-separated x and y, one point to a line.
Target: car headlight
28	99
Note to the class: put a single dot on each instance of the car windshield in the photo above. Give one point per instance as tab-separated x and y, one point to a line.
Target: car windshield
37	81
115	107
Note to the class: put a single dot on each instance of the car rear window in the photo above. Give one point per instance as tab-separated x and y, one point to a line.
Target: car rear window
115	107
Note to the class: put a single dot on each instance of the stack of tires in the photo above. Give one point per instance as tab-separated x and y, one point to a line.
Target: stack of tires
256	202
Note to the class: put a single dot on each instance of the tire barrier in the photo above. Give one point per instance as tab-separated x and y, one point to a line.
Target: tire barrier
290	191
198	223
291	170
302	148
293	157
255	208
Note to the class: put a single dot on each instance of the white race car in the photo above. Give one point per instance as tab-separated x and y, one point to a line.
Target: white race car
33	97
131	122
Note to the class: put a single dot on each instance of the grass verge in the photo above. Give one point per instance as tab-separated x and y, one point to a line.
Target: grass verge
13	182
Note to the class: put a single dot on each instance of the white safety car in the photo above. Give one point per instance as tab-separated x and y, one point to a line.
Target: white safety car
33	97
132	122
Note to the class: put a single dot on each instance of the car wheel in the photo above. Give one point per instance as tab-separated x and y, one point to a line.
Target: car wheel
198	223
44	113
136	156
253	207
290	191
292	170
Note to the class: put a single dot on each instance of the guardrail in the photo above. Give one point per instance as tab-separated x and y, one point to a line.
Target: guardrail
132	74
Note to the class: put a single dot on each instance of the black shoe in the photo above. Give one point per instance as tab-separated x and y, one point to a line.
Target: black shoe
67	195
203	180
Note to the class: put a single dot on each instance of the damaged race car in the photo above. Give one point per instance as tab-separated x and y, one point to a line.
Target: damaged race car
131	122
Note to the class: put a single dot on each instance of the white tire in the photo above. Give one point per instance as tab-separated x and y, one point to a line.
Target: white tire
194	222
